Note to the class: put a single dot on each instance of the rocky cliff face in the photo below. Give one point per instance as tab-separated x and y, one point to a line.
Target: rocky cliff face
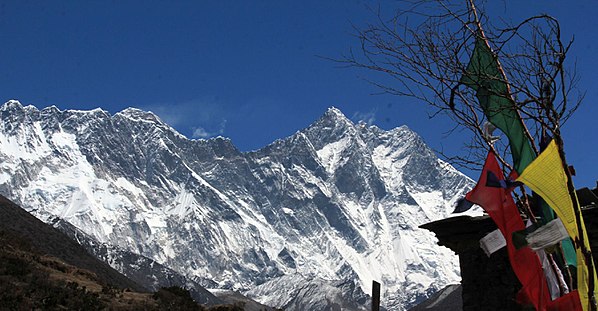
337	204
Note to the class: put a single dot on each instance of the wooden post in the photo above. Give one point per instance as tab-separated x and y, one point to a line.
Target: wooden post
375	296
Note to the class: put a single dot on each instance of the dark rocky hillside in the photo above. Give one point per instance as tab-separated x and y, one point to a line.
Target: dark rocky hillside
45	240
43	269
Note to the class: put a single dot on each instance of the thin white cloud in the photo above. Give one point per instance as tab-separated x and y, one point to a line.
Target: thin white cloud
200	132
368	117
199	118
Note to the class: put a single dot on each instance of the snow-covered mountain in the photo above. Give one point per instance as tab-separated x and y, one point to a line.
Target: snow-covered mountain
306	222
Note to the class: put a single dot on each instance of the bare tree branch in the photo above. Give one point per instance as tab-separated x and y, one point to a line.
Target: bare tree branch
425	48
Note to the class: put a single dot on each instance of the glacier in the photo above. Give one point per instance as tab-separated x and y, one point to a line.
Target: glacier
307	222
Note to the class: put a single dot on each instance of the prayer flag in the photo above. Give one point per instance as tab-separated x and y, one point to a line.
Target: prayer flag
551	278
484	76
546	176
499	204
547	235
493	181
569	301
492	242
462	206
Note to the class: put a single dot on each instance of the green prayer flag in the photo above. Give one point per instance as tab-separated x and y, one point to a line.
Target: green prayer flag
569	251
484	76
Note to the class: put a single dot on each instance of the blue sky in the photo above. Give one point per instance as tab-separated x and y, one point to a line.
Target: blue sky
247	70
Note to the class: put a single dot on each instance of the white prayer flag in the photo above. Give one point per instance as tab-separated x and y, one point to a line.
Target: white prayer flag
547	235
492	242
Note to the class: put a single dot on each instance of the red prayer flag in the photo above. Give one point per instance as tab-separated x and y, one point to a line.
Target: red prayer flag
499	204
570	301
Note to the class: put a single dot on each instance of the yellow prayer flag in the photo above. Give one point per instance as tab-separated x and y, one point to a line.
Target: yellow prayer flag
546	176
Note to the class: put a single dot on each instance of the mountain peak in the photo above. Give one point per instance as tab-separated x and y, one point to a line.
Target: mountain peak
89	113
333	118
331	127
334	113
12	104
139	115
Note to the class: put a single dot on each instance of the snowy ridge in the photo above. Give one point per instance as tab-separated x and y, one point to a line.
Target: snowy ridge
333	207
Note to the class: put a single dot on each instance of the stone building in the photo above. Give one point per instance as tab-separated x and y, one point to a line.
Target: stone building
488	283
